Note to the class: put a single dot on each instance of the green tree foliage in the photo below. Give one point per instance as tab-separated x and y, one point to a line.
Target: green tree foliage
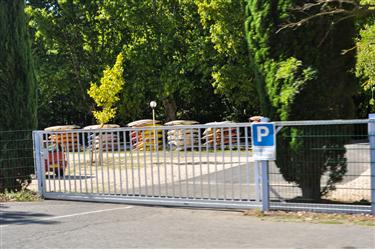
105	95
73	42
366	59
193	60
168	60
155	58
231	75
302	74
363	12
17	96
172	52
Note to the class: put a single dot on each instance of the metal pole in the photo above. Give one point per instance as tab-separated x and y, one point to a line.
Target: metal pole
153	117
257	180
265	187
264	169
371	135
39	161
154	131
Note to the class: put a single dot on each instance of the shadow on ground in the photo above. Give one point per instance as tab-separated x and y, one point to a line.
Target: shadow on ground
21	217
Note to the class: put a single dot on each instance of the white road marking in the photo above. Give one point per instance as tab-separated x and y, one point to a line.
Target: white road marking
66	216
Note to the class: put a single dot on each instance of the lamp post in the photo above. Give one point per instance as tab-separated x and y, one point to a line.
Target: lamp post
153	105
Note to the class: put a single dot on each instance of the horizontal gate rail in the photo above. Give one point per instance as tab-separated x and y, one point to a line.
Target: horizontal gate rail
322	122
315	207
162	201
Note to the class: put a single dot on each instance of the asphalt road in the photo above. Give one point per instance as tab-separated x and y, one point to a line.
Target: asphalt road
62	224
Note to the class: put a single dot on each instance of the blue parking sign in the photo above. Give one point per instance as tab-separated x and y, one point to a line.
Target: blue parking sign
263	140
263	134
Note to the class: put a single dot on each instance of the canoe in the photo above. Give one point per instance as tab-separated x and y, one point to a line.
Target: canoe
105	126
142	123
61	128
182	122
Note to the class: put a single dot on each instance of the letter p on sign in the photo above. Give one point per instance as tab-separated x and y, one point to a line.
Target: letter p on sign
262	131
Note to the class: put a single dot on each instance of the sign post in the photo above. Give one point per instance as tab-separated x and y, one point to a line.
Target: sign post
264	149
371	135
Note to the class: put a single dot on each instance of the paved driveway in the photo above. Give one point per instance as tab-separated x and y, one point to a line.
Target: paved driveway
62	224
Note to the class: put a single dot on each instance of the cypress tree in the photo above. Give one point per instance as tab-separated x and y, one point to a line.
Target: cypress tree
302	75
17	96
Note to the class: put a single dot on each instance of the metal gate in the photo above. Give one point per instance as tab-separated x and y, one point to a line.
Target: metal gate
198	165
212	166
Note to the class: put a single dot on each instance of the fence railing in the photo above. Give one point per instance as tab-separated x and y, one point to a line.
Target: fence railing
321	165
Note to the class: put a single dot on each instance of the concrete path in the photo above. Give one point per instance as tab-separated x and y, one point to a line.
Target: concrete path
62	224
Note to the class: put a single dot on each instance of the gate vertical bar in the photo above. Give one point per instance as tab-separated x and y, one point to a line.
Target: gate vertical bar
247	163
265	186
371	134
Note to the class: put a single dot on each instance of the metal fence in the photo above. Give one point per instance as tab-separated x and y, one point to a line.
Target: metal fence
16	159
320	166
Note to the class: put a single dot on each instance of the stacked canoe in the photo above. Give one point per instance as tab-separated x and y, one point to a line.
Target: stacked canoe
218	137
146	139
181	139
64	136
97	139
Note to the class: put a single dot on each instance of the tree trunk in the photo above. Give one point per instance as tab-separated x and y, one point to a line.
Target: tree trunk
310	183
170	108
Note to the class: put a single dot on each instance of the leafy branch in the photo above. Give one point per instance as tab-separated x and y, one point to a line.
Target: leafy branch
105	95
345	8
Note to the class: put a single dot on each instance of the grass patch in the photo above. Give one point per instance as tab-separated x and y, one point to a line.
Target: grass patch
332	222
22	195
311	217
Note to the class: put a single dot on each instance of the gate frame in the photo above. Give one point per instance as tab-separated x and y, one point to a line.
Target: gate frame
39	155
39	161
